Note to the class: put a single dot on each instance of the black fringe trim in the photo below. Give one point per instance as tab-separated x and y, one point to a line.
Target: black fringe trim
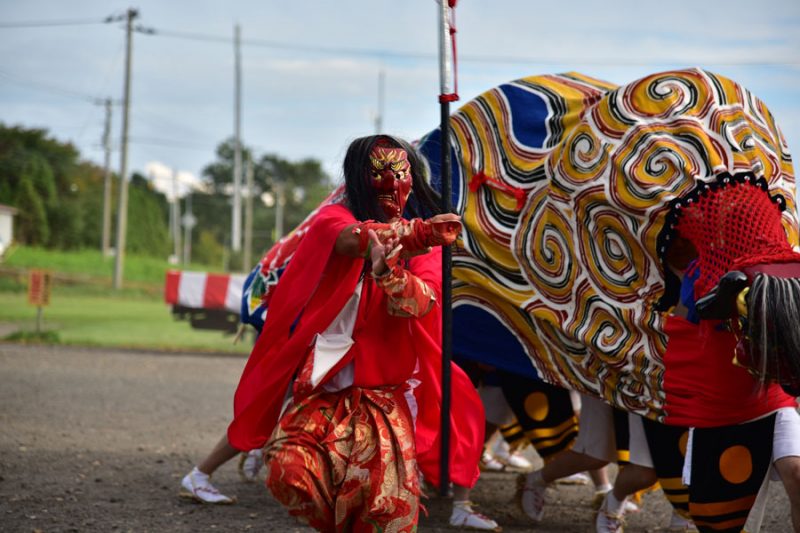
668	233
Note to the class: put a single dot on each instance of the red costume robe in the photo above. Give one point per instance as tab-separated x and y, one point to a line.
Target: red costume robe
312	291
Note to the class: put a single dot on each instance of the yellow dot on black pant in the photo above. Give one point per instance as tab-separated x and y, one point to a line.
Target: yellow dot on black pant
536	406
736	464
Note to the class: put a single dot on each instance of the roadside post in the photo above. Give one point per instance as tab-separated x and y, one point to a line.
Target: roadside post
39	284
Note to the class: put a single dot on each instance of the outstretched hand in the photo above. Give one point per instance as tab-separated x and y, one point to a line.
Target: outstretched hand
445	228
384	255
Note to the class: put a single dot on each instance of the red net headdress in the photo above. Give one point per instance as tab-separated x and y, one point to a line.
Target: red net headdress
733	223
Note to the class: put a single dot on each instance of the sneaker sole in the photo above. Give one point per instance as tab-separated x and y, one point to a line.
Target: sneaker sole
572	481
472	528
186	495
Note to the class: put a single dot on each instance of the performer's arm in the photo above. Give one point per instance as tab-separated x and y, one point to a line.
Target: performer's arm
416	236
409	295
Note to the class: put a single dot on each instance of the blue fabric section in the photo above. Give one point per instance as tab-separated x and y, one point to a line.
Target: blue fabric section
479	336
687	291
529	115
431	146
245	316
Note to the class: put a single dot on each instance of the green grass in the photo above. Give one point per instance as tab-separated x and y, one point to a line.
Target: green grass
91	266
85	310
113	321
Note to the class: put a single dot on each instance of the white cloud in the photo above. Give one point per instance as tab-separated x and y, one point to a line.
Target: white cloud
302	104
172	183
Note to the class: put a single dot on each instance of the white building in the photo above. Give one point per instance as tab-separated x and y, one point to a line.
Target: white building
6	226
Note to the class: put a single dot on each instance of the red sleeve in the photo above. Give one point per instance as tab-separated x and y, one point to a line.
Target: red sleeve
312	290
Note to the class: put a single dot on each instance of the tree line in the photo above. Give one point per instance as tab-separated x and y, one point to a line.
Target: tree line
59	197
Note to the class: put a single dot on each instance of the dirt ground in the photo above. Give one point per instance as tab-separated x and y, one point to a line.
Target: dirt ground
98	440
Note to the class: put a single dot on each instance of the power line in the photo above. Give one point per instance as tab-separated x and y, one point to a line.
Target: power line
173	143
205	37
283	46
379	53
66	22
55	89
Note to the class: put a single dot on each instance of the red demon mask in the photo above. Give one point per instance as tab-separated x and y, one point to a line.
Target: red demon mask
390	176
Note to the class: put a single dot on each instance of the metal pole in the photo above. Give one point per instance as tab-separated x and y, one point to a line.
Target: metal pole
175	212
236	228
248	217
379	116
280	201
105	243
447	310
188	223
122	211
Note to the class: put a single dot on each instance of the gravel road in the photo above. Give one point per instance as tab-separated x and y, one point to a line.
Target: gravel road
97	440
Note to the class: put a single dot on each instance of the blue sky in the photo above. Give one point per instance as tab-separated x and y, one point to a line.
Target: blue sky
310	84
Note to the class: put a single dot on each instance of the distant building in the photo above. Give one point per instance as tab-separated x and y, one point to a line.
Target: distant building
6	226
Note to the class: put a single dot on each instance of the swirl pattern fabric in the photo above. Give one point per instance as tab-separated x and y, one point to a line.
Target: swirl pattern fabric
575	275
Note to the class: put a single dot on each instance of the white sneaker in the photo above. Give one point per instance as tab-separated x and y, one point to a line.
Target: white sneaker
530	497
466	518
518	461
197	486
575	479
489	463
250	464
501	450
606	522
630	507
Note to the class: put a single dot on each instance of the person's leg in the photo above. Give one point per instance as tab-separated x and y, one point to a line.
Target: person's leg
599	476
638	475
595	437
220	454
197	486
786	456
789	470
633	478
568	463
602	485
497	414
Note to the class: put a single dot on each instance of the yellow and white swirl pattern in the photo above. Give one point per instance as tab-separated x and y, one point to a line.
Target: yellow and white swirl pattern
575	274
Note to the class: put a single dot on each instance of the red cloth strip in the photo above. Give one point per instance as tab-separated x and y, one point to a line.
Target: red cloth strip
171	286
216	290
479	178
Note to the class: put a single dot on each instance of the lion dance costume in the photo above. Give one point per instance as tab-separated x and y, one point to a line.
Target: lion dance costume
579	200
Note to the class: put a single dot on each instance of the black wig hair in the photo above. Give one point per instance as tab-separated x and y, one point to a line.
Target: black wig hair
773	307
360	197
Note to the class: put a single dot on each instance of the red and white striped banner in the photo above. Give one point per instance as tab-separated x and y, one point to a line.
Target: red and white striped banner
200	290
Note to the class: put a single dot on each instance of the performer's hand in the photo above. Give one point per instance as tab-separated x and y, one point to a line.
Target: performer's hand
446	217
384	255
445	228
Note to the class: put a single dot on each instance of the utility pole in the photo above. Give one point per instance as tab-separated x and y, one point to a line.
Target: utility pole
122	212
379	115
248	217
236	229
188	223
280	201
175	217
105	242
